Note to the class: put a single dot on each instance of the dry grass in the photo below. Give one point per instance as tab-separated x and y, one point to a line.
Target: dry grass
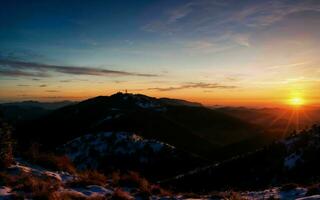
158	190
88	177
53	162
119	194
37	187
43	188
133	179
49	160
230	195
73	196
6	179
6	146
115	176
34	187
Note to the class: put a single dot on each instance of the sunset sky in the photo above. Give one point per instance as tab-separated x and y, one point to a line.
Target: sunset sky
226	52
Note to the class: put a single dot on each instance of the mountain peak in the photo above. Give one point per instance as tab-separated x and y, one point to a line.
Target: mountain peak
156	102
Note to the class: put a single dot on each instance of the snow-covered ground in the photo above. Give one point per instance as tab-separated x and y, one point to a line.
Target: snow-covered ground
275	193
108	190
85	151
83	191
63	177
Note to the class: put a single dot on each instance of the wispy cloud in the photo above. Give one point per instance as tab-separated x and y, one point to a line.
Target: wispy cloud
285	66
231	14
200	85
21	68
232	21
52	91
20	73
65	81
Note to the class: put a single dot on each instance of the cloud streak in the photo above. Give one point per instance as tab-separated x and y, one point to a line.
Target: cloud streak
199	85
33	69
52	91
20	73
234	22
208	14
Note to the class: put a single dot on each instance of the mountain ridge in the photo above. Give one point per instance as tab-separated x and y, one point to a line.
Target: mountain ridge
196	129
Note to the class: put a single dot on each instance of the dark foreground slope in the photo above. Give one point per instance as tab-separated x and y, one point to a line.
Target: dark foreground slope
295	159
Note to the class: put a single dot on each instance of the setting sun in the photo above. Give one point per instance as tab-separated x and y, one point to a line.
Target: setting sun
296	101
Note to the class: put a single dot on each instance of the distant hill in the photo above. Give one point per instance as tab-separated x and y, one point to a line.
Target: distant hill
44	105
187	126
179	102
274	121
29	110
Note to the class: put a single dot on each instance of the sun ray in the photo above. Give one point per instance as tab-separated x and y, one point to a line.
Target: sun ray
297	119
277	118
306	116
288	123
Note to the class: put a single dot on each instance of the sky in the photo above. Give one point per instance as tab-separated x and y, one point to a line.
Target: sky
217	52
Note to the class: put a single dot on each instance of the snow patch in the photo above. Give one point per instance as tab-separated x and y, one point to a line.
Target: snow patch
274	193
314	197
5	192
89	191
86	150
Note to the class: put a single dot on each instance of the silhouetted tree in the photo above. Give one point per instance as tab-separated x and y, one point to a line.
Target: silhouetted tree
6	145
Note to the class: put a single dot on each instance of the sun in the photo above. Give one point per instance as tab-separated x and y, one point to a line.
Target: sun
296	101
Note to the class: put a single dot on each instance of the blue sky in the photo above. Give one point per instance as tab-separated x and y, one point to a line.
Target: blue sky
212	51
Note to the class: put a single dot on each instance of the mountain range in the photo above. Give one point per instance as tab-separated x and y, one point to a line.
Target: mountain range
188	126
182	145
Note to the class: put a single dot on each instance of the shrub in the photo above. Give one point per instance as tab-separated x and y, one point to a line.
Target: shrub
89	177
63	163
119	194
115	176
133	179
144	186
6	146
